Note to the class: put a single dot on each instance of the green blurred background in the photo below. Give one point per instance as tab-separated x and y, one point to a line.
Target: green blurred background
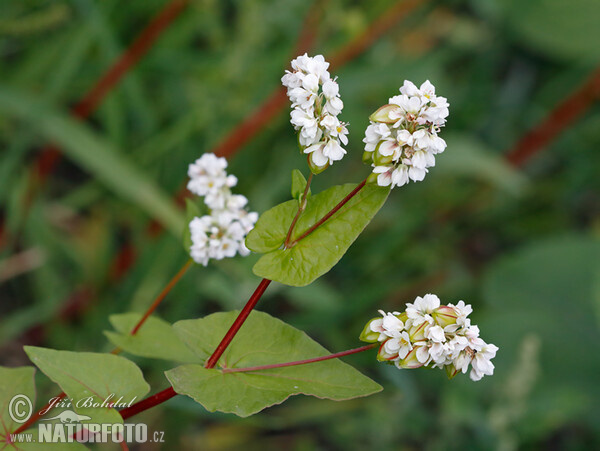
518	241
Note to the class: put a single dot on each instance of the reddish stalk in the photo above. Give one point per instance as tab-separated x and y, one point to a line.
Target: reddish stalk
300	362
377	28
262	116
333	211
162	295
36	416
169	393
128	59
237	324
147	403
301	208
563	115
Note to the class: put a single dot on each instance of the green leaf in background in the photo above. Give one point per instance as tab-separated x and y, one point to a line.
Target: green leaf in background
95	155
263	340
322	249
567	29
155	339
546	290
472	159
298	184
94	376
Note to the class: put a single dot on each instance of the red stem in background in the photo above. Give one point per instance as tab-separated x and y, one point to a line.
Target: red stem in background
562	115
300	362
259	118
376	29
128	59
162	295
36	416
214	358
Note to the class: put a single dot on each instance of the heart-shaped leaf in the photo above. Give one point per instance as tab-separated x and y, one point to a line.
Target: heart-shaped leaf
92	378
155	339
318	252
262	340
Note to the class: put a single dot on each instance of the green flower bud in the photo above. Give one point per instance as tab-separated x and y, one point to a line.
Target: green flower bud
444	315
410	361
367	334
417	333
381	160
372	179
451	371
383	114
367	157
314	168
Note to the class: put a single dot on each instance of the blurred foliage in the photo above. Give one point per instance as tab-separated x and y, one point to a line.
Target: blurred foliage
521	245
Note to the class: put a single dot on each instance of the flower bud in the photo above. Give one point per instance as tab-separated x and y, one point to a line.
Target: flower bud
410	361
367	157
372	179
381	160
417	333
314	168
368	334
383	356
451	371
444	315
383	114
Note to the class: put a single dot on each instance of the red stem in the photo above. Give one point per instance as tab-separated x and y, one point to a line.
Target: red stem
214	358
161	296
301	362
333	211
147	403
51	154
36	416
169	393
561	116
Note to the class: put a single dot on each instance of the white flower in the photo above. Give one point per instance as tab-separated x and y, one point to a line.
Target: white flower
481	363
422	309
406	132
399	346
221	233
417	337
316	102
436	334
207	174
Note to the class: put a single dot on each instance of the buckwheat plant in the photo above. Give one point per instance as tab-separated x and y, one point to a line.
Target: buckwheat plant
244	361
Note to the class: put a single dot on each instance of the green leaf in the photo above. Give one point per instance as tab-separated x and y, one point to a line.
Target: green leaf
546	290
93	154
567	29
15	382
298	185
92	376
472	158
155	339
263	340
19	384
322	249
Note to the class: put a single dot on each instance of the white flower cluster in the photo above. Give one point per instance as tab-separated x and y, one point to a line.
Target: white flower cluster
432	335
221	233
316	104
402	140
